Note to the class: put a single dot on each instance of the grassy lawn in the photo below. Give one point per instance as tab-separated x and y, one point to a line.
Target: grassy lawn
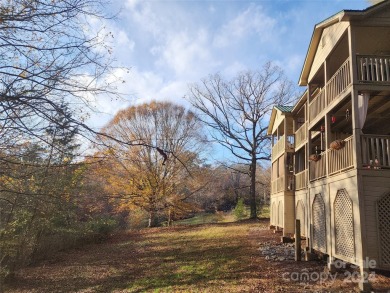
219	257
182	258
208	218
221	217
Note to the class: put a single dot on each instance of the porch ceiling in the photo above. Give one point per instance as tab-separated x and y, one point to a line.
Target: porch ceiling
378	116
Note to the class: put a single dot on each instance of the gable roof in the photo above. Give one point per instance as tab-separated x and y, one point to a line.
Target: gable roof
343	15
278	108
284	109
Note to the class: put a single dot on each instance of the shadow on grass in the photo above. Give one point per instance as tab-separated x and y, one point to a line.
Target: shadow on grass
175	258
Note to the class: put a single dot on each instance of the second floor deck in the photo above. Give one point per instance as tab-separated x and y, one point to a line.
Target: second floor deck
374	156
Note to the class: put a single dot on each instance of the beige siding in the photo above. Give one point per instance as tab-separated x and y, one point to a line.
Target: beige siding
276	199
381	17
374	187
278	120
289	214
283	212
330	36
372	41
301	195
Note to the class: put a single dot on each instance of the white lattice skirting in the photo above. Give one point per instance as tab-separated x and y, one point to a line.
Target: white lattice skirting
343	216
384	229
319	223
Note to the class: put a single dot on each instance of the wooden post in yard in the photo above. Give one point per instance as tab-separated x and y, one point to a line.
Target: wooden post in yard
298	255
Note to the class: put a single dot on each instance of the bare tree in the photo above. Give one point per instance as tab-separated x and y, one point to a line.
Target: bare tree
237	112
49	55
52	64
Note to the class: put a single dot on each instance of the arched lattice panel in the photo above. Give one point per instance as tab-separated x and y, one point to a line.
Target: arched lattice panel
319	223
280	214
384	229
273	214
300	215
343	218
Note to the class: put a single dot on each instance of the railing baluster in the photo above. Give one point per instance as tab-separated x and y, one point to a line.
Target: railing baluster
364	150
375	147
372	150
381	69
342	159
388	152
382	157
373	69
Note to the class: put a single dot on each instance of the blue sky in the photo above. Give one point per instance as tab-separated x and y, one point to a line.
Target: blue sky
170	44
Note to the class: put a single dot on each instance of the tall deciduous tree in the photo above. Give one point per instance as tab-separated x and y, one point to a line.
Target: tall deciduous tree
155	179
52	63
237	112
49	54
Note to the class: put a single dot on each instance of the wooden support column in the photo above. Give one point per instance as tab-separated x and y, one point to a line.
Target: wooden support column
285	156
307	164
328	138
298	255
361	231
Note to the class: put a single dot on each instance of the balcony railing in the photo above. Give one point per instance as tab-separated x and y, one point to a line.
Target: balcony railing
341	160
277	185
301	180
375	151
317	105
317	169
338	83
373	68
278	148
301	135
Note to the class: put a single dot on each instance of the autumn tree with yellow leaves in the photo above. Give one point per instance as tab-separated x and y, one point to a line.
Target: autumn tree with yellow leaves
159	179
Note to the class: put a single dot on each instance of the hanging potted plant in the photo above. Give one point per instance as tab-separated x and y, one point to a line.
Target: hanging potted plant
315	157
337	144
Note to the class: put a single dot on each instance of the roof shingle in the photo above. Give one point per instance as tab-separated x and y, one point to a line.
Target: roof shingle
284	109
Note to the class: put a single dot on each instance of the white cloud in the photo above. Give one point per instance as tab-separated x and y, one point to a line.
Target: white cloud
123	40
187	54
232	69
251	21
132	3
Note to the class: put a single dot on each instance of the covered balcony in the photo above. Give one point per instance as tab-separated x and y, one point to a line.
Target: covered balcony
336	85
334	143
371	70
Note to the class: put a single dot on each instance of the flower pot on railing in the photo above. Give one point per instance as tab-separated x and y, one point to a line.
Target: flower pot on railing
314	157
337	144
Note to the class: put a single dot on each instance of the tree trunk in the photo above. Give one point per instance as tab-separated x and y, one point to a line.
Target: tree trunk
253	188
169	217
153	219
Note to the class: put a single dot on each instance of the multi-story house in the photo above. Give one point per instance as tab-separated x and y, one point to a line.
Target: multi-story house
331	150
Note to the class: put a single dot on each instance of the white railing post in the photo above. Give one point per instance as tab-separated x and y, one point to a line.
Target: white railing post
373	68
375	151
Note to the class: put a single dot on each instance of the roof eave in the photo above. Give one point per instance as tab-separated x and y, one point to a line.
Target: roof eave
344	15
315	40
272	121
300	103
